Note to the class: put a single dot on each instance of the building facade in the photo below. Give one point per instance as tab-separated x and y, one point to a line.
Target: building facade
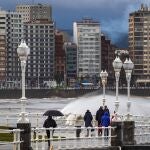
71	61
10	36
39	36
35	12
86	34
59	55
3	60
108	56
139	44
3	55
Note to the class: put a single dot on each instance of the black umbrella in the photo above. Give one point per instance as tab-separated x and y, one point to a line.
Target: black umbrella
53	113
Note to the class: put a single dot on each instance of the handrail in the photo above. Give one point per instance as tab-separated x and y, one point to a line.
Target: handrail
38	119
16	138
63	137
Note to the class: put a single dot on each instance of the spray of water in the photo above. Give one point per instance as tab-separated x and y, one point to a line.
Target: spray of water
139	105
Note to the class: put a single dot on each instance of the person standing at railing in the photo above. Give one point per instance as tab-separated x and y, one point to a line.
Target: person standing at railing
105	122
49	122
115	117
98	118
106	110
88	120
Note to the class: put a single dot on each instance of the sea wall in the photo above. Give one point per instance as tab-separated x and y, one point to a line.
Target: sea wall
43	93
136	92
64	93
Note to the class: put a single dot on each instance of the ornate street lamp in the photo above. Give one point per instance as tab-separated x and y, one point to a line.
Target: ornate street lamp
23	52
128	67
104	76
117	64
23	122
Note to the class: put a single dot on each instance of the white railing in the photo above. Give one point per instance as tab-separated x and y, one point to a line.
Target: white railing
37	120
142	134
15	143
10	119
71	138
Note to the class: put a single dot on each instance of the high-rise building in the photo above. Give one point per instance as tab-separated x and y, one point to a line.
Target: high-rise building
35	11
139	43
11	29
108	55
59	55
71	61
39	36
87	37
34	24
2	57
2	48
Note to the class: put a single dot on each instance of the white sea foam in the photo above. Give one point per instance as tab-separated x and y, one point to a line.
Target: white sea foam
139	105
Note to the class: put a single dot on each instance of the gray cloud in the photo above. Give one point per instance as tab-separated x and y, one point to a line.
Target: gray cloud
112	14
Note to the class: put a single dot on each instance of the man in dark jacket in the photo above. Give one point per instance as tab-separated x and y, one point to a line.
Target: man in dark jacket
88	120
49	122
105	122
98	117
106	110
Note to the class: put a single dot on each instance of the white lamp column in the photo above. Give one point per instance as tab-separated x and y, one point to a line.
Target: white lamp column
128	67
23	52
117	64
104	76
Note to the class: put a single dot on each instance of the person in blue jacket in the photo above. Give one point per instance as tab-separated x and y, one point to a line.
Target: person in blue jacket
88	120
105	122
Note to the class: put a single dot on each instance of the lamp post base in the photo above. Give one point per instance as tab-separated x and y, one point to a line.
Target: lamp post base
23	98
23	118
128	117
25	136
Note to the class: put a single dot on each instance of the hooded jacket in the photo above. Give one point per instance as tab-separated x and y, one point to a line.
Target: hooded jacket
99	115
105	120
88	119
49	122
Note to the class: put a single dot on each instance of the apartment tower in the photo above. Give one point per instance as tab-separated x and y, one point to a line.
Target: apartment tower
86	34
71	61
40	37
3	51
139	44
108	55
59	54
10	37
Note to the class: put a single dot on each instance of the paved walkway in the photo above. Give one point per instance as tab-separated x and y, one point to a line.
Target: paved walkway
6	147
65	144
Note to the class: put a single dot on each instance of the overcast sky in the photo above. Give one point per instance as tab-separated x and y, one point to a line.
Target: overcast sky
112	14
